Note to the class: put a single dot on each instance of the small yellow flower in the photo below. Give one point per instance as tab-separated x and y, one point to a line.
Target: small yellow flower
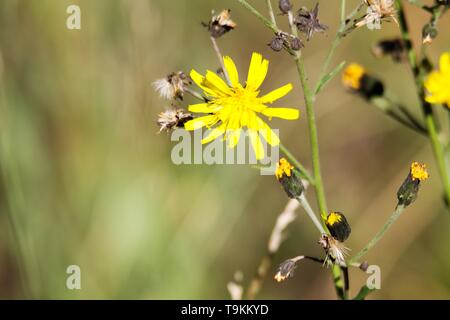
283	168
419	171
333	217
236	106
437	84
351	78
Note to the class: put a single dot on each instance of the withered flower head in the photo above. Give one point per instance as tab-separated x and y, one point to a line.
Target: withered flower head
221	24
285	6
378	11
277	43
338	226
286	270
308	21
394	48
284	40
334	249
173	86
173	118
408	191
289	178
296	44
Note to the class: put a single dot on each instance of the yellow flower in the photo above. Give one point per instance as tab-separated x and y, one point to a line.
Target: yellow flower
437	83
283	168
235	107
351	78
419	171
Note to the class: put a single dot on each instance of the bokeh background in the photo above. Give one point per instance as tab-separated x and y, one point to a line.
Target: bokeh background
86	179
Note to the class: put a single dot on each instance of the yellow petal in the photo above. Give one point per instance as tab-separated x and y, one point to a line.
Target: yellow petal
200	81
233	137
232	71
214	133
257	71
444	62
217	84
283	113
203	108
256	144
198	123
276	94
267	133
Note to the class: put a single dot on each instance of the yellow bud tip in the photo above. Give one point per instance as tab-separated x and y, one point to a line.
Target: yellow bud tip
351	78
283	168
332	218
419	171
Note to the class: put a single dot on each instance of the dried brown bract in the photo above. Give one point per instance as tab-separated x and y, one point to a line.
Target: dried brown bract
308	22
221	24
173	118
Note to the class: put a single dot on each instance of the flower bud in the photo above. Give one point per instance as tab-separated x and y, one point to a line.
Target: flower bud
285	270
296	44
289	179
408	191
358	80
277	43
338	226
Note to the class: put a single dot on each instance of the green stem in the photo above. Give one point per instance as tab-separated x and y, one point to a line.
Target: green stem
395	215
309	211
426	107
220	57
271	13
303	171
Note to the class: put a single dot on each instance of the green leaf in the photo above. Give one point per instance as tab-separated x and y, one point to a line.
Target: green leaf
328	77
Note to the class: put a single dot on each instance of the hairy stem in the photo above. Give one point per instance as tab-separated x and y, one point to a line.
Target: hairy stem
220	57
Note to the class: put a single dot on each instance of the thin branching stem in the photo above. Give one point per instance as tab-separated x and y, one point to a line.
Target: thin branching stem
220	57
271	13
395	215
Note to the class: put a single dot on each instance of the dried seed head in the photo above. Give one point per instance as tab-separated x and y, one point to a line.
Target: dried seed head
378	11
308	22
172	118
173	86
285	6
296	44
285	270
334	249
277	43
221	24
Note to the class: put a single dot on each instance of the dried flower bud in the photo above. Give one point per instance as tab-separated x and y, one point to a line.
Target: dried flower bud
334	249
173	86
390	47
357	79
364	266
285	6
220	24
173	118
277	43
289	179
408	191
338	226
296	44
285	270
429	33
308	22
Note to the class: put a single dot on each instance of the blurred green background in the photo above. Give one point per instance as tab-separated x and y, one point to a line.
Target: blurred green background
86	179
